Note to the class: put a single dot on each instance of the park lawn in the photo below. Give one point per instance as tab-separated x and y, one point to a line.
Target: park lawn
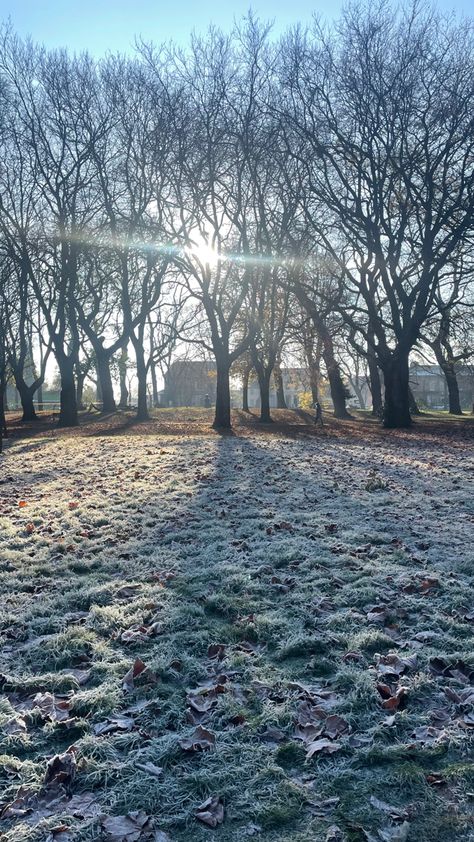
305	599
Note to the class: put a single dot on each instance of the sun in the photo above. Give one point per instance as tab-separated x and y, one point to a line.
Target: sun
204	252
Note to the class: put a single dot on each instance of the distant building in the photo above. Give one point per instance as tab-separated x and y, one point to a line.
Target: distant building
187	382
295	382
429	387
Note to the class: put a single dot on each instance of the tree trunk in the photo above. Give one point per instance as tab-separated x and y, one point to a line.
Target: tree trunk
222	419
40	398
26	397
105	380
68	406
154	386
397	399
280	390
122	365
449	371
375	381
245	389
453	389
414	409
336	383
264	386
80	378
142	402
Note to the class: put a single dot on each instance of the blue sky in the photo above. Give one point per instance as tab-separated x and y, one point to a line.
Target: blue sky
110	25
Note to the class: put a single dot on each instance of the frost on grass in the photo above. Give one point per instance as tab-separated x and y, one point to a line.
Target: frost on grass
268	637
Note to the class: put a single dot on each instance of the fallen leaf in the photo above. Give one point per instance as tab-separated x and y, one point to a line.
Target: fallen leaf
133	673
211	811
393	812
81	676
57	710
22	504
216	650
395	834
156	771
335	726
127	828
113	724
15	726
200	740
61	769
322	746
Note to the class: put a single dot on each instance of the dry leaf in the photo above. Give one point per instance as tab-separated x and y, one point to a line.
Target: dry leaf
395	834
156	771
200	740
322	746
52	708
113	724
127	828
335	726
393	812
133	673
61	769
211	811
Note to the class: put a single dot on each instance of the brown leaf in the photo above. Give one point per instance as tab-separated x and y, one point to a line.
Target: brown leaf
113	724
428	734
200	740
393	812
15	726
61	769
22	504
216	650
81	676
395	834
57	710
133	673
127	828
272	734
156	771
335	726
308	733
322	746
127	591
211	811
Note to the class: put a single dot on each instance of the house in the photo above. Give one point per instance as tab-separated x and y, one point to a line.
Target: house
187	382
296	381
430	390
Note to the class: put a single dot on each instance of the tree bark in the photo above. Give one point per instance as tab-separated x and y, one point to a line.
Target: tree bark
142	402
280	389
154	386
336	383
222	419
374	378
26	397
245	389
122	365
68	406
105	380
80	378
414	408
397	399
264	386
453	389
449	371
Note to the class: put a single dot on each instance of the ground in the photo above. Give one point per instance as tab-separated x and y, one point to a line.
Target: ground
281	620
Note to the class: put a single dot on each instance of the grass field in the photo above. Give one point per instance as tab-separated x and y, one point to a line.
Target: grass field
281	621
